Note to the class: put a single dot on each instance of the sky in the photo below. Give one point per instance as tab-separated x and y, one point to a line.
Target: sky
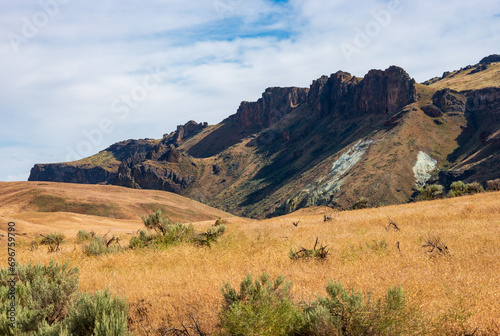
78	76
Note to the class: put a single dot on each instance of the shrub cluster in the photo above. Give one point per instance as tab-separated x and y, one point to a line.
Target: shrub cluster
211	235
83	236
431	192
459	188
172	234
345	312
166	233
265	307
100	245
493	185
53	241
47	304
56	237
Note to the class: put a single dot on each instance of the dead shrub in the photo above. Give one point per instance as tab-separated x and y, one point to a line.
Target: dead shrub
435	246
303	253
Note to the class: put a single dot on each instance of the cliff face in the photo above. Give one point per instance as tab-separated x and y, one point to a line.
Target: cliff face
147	175
275	103
70	174
159	165
342	138
379	92
478	156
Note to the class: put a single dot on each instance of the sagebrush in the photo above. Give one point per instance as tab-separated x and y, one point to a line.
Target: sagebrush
47	303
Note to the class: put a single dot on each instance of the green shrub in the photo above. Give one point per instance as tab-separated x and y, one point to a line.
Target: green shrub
459	188
349	313
362	203
474	188
156	222
177	233
431	192
167	233
493	185
45	304
56	329
43	294
263	307
53	237
83	235
143	240
53	241
211	235
98	314
100	245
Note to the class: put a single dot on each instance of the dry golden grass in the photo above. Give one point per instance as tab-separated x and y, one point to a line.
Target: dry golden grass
464	80
164	286
19	197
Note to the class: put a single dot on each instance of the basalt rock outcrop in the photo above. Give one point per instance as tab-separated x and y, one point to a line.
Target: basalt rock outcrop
449	101
478	156
148	175
379	92
71	174
490	59
276	102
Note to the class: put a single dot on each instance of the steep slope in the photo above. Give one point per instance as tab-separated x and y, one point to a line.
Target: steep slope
477	158
343	138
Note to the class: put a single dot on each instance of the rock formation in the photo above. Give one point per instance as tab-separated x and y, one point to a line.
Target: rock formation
341	139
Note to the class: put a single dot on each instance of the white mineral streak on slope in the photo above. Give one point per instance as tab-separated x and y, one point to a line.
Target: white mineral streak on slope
320	191
422	169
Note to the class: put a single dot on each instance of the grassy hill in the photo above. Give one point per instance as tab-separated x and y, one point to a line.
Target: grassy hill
469	78
454	294
43	207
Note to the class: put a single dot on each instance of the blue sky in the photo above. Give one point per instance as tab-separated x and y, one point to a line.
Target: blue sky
77	76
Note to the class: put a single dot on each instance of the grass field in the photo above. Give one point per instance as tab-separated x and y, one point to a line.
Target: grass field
457	292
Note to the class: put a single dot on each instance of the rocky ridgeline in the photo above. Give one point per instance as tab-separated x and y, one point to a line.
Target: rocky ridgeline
296	128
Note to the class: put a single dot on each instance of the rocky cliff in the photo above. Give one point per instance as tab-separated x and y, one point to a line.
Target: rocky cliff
342	138
71	174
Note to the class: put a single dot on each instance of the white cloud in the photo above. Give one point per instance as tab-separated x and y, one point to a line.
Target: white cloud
65	79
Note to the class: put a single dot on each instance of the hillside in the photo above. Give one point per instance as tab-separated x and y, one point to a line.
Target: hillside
472	77
453	294
48	207
380	137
